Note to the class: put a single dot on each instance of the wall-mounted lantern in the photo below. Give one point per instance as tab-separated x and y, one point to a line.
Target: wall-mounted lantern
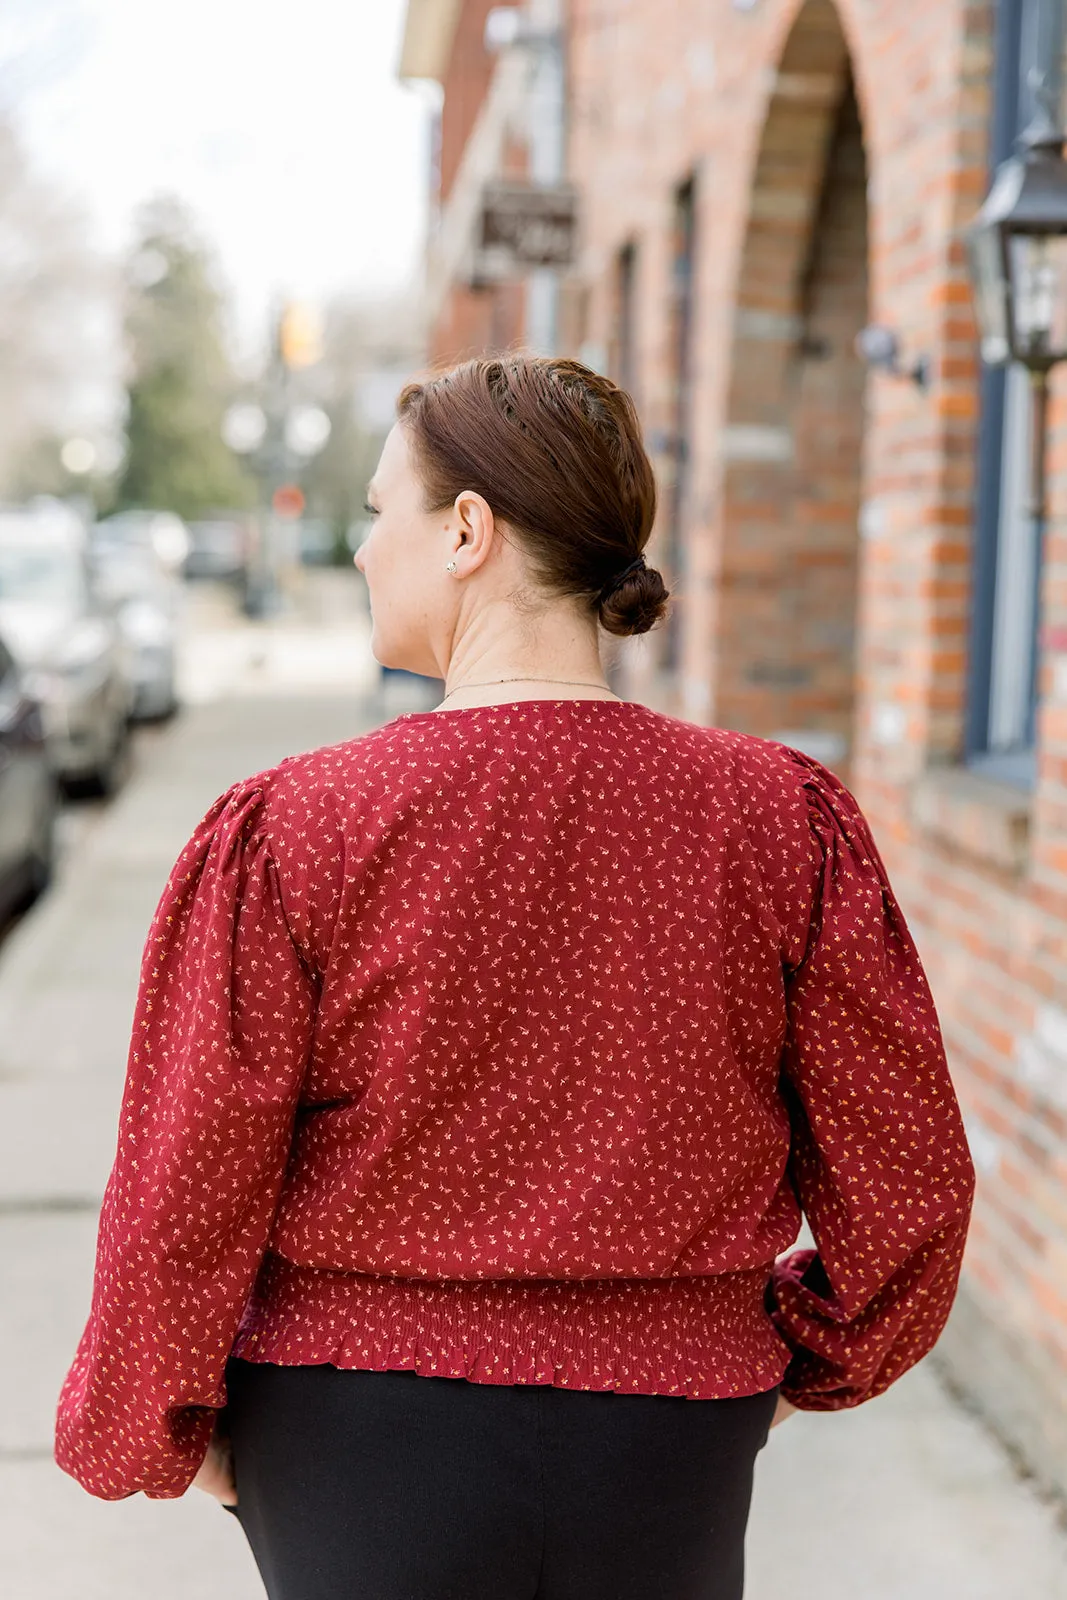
1018	251
1018	255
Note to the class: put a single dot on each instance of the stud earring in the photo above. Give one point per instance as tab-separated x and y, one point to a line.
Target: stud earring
450	566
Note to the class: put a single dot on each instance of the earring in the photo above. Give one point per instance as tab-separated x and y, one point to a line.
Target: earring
450	566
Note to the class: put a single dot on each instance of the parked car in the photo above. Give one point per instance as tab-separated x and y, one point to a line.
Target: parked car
218	548
66	642
160	532
145	599
318	542
28	799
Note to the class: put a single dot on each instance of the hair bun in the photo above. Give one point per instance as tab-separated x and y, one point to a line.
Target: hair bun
634	601
620	577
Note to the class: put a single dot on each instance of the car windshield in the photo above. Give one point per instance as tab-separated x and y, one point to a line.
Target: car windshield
40	574
119	571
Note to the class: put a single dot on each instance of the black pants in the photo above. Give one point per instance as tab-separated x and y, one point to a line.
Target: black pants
358	1485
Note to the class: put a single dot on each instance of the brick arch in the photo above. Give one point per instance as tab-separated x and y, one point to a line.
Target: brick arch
792	439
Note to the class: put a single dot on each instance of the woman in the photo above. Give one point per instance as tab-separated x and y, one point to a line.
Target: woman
502	1046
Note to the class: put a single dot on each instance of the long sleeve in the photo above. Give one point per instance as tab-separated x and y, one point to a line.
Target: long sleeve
879	1159
221	1033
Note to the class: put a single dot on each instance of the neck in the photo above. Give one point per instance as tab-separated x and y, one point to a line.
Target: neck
523	687
565	665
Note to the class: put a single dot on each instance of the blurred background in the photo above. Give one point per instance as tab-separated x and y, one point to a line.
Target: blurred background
824	243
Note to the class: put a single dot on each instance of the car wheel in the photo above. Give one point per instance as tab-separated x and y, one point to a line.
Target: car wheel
41	866
169	708
110	776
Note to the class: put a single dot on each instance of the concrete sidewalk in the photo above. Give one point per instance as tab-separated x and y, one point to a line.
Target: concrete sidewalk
904	1499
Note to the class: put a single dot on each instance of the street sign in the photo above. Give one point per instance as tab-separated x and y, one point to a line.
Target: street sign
524	226
288	500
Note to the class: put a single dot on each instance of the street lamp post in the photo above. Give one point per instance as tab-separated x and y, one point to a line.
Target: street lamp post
277	438
1018	257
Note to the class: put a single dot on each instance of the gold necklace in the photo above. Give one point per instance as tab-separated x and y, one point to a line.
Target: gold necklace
574	683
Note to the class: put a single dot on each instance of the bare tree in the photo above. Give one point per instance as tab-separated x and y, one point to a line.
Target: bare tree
59	330
55	299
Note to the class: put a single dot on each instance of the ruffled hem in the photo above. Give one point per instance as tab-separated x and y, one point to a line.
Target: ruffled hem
702	1337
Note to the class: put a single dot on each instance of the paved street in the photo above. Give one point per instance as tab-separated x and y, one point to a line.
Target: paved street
905	1499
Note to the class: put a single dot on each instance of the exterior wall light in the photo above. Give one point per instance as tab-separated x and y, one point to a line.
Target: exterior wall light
1018	256
879	347
1018	253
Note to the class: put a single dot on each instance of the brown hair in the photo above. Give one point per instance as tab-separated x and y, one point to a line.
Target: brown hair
556	450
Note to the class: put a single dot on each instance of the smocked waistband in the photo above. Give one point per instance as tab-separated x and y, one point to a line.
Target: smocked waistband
703	1337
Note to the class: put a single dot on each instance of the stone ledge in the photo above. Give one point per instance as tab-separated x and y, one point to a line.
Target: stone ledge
977	817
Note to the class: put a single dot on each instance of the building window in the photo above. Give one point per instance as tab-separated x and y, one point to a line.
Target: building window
1002	700
683	253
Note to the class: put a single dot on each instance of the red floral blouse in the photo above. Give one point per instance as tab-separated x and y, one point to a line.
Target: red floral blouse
508	1043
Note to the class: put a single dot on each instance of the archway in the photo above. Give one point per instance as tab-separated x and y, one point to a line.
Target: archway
793	441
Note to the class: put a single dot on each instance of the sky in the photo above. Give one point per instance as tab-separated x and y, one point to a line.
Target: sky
281	122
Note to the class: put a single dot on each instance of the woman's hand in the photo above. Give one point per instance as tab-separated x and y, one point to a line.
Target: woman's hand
782	1410
216	1471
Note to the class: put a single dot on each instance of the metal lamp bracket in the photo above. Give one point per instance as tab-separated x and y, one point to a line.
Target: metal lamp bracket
878	347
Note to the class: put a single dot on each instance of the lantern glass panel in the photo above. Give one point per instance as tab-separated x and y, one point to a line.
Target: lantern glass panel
990	291
1038	264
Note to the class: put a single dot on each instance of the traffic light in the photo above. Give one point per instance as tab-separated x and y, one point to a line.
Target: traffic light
299	335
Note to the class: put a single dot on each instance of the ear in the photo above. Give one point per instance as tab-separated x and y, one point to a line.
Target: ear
476	525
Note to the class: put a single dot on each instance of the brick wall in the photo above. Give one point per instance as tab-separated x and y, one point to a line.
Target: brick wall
825	526
784	641
465	84
476	321
818	522
472	320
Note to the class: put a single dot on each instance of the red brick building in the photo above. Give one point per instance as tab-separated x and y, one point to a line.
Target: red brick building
854	567
474	135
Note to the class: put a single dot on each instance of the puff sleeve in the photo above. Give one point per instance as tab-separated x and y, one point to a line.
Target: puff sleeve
221	1031
879	1160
